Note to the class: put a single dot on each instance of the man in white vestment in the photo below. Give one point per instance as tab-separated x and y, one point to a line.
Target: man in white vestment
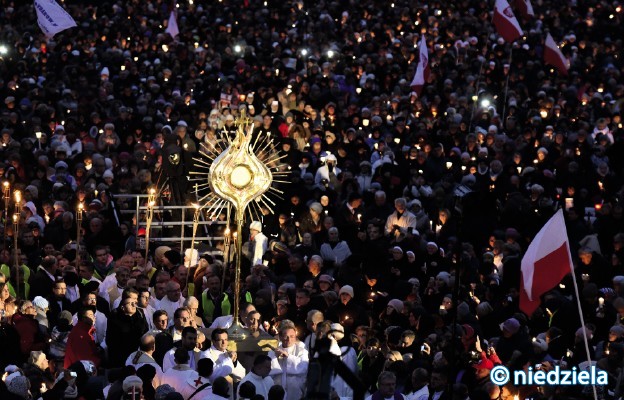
259	375
187	343
225	362
289	365
178	375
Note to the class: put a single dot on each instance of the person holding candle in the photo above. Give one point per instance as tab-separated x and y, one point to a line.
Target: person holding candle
335	252
592	267
347	311
311	222
400	220
346	217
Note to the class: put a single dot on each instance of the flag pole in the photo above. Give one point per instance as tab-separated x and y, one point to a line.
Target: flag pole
507	85
580	310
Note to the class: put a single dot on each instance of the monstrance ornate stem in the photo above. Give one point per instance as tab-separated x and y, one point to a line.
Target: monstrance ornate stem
236	331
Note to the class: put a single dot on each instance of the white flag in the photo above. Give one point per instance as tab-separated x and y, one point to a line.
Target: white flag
52	18
172	26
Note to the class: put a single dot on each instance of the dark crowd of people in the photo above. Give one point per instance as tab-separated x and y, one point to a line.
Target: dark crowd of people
396	246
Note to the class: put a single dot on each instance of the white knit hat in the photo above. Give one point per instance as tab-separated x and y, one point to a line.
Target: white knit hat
40	302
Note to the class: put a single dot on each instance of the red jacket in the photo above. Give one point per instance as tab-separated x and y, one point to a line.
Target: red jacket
81	345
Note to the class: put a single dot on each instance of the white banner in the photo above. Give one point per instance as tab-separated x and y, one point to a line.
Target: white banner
172	26
52	18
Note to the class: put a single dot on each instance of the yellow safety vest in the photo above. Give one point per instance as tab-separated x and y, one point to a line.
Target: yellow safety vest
209	308
6	270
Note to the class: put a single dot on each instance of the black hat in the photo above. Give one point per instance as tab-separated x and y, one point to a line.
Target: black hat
173	257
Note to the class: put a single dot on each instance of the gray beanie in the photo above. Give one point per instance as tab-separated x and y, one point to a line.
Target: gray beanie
162	391
20	386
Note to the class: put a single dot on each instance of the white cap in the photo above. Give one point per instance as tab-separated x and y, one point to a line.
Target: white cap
256	226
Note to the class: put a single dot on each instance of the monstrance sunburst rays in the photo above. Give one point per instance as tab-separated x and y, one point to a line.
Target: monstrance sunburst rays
263	148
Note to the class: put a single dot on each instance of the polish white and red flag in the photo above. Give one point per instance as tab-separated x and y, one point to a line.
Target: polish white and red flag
423	70
525	8
506	22
553	56
546	262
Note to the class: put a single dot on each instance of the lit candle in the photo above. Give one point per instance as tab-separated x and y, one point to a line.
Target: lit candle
600	301
449	165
